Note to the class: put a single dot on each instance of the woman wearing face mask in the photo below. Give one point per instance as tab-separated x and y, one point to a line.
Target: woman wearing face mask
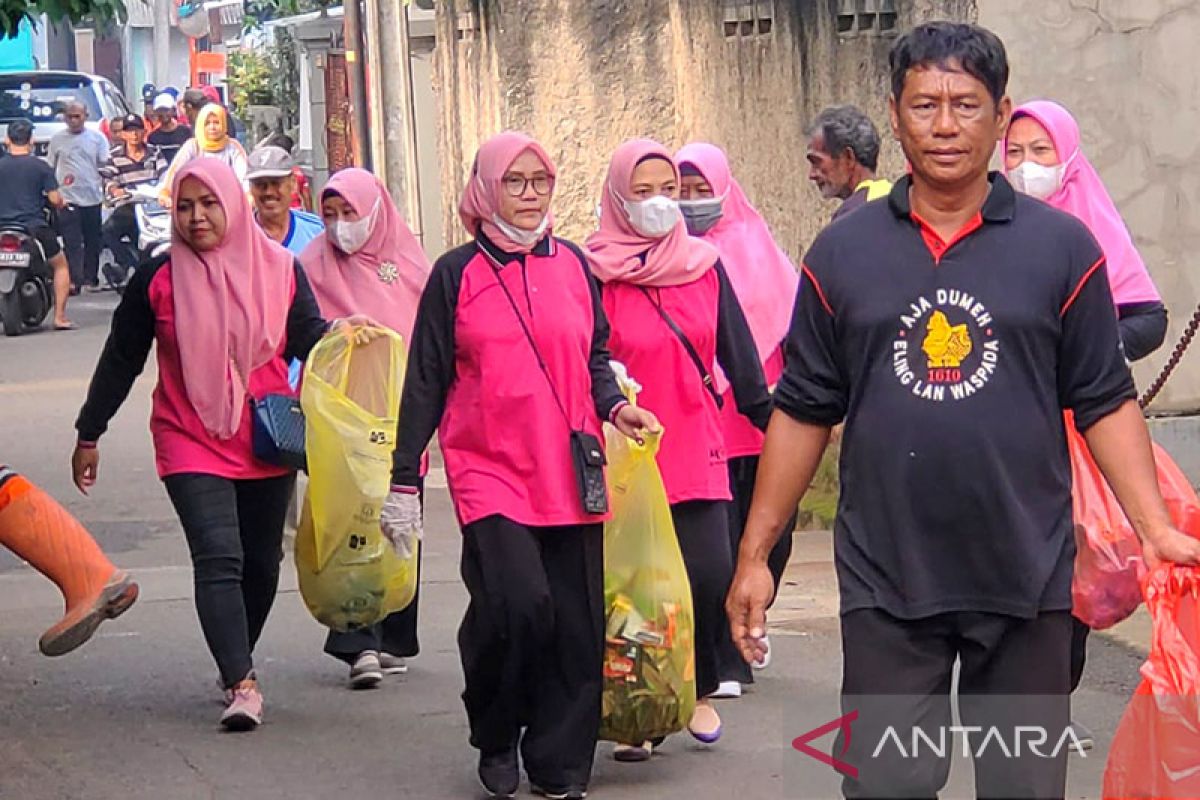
1042	158
212	140
675	318
509	363
764	279
368	261
225	308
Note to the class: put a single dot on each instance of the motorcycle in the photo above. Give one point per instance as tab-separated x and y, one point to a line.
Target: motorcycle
26	284
153	220
154	232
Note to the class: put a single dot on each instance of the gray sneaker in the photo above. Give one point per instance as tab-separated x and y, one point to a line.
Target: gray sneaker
392	665
366	673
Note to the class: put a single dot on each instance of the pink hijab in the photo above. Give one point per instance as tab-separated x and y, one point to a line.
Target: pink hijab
1083	195
481	199
231	302
763	277
384	279
613	251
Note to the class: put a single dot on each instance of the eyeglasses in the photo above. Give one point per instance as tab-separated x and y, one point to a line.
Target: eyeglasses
515	185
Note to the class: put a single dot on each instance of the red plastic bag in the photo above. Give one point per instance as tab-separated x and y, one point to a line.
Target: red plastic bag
1155	754
1108	560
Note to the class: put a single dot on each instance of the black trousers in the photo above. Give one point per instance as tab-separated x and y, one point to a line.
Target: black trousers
532	644
82	240
703	530
234	531
396	634
120	235
898	673
1079	636
742	473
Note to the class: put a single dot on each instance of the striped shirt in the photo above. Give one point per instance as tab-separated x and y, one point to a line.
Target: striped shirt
125	172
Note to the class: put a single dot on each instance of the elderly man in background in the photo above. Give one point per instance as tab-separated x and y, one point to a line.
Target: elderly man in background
271	173
843	154
77	154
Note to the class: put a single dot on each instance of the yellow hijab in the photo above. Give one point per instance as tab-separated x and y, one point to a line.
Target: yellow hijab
203	141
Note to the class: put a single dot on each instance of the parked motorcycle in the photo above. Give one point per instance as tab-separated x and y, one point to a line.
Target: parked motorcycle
26	284
153	220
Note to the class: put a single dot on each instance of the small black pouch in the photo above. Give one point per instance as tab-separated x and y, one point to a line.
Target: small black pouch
588	456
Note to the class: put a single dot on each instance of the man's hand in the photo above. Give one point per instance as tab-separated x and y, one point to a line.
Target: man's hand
1169	544
752	591
85	464
636	422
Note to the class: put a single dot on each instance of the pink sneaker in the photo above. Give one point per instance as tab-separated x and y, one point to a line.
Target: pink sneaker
245	711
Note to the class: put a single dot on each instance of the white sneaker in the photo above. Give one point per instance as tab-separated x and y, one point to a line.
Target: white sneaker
728	690
366	673
392	665
765	661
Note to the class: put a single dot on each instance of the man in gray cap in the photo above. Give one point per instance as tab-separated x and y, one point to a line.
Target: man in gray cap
272	184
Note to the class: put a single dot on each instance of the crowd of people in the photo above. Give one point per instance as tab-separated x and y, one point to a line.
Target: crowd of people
949	318
84	203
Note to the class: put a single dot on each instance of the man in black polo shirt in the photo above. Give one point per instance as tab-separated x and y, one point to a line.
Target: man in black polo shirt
949	327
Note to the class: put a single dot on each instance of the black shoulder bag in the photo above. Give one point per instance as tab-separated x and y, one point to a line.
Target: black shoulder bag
705	376
587	454
278	429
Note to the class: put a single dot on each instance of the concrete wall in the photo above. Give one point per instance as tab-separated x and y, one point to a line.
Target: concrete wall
1124	69
583	75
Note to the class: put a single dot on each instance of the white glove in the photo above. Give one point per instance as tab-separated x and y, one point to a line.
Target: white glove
400	519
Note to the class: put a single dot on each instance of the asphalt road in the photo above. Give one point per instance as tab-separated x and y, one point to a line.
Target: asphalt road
134	714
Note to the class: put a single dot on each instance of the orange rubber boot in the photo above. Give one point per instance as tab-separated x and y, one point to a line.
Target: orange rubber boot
35	527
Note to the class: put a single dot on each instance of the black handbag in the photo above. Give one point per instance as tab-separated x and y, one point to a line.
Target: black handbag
278	434
277	427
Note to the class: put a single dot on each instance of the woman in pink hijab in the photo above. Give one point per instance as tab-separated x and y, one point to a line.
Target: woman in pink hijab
368	262
1042	158
676	325
765	281
509	363
226	308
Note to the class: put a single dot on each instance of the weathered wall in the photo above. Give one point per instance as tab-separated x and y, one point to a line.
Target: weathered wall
1125	70
583	75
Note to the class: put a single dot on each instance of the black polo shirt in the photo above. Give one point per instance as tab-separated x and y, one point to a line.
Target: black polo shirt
951	364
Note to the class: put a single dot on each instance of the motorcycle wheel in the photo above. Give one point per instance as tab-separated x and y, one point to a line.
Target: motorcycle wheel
13	324
38	301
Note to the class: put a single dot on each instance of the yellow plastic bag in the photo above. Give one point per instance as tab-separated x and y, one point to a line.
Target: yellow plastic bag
649	649
350	576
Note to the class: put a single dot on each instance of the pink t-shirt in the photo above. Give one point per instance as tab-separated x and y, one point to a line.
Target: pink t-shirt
181	443
505	443
742	439
693	455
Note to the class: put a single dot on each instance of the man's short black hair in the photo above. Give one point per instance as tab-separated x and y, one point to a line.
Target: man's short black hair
194	98
971	48
20	131
845	128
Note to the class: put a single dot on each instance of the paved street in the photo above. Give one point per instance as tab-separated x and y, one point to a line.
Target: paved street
133	714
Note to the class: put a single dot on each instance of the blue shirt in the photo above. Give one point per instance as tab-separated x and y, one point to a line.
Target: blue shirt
304	228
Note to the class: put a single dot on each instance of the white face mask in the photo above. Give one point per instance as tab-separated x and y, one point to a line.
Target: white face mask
654	217
1037	180
520	236
350	237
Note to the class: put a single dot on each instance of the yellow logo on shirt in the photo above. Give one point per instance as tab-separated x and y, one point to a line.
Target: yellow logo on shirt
958	351
946	345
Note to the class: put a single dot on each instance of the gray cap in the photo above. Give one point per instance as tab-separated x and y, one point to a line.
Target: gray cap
269	162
